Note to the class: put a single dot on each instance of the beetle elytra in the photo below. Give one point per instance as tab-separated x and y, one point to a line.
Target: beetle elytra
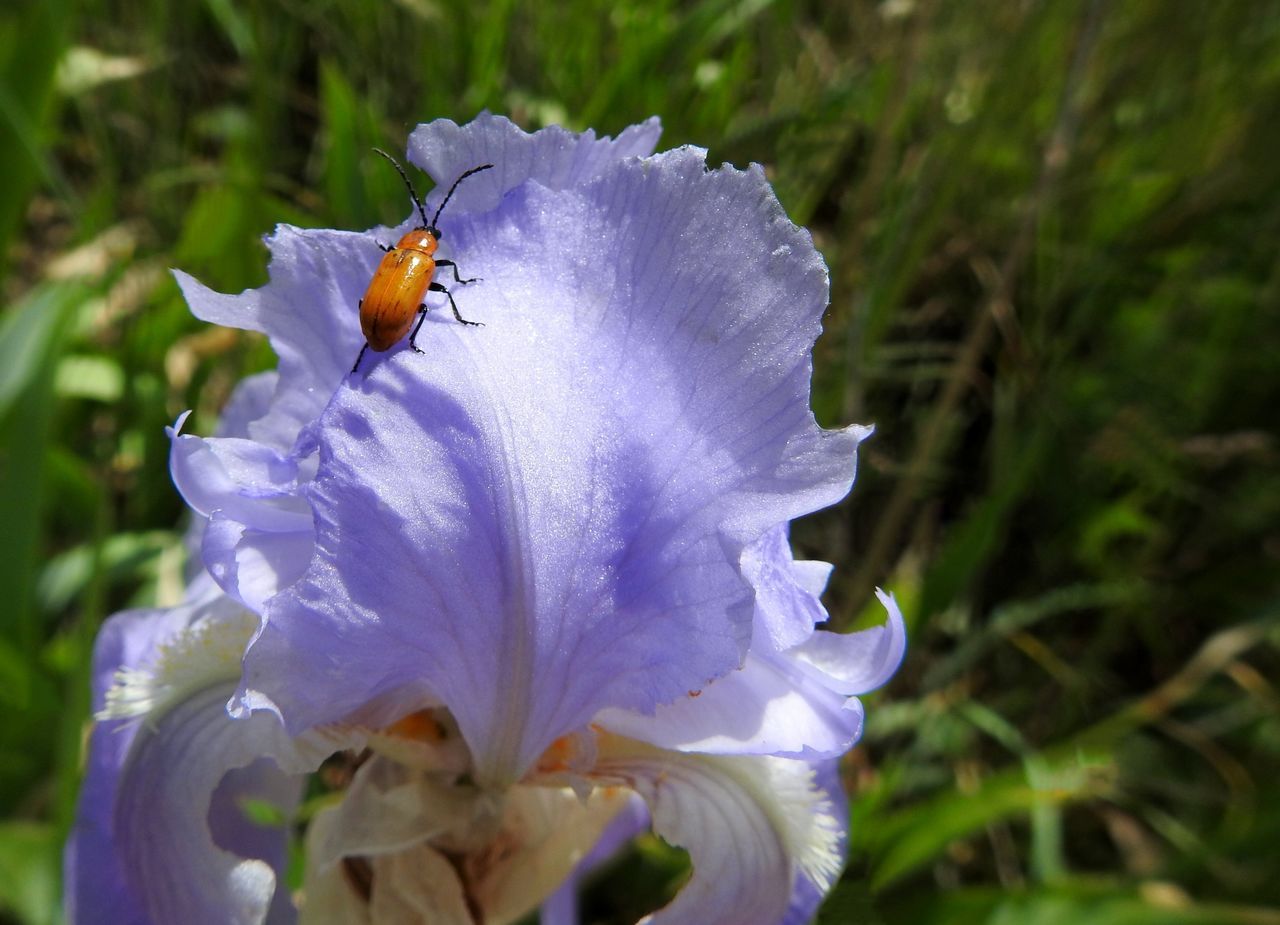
404	277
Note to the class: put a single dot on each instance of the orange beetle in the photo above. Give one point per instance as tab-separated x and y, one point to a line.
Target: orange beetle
404	277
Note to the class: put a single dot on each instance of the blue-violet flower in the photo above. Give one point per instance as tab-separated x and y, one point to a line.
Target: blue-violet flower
535	584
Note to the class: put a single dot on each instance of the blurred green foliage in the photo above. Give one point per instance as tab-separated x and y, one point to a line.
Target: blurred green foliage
1052	228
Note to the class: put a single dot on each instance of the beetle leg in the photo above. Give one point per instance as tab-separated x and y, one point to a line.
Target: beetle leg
456	277
436	287
359	357
386	247
413	338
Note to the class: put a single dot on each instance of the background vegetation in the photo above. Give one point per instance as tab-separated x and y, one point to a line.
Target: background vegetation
1052	228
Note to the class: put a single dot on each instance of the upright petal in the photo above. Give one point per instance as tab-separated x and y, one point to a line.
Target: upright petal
310	313
555	157
788	603
256	534
858	663
797	703
546	517
771	706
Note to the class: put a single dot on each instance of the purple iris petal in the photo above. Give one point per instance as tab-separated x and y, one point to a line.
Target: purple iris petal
249	402
567	525
256	528
545	517
241	479
309	313
95	878
162	816
795	702
857	663
787	592
806	894
554	157
772	706
252	564
142	849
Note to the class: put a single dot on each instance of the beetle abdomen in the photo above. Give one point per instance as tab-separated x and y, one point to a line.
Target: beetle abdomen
394	294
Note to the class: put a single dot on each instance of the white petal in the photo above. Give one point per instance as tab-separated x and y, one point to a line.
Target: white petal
561	907
405	888
510	850
389	808
416	887
545	833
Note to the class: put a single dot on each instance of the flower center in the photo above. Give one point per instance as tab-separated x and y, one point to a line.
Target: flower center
412	805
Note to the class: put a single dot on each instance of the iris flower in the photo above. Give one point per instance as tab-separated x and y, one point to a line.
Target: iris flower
523	596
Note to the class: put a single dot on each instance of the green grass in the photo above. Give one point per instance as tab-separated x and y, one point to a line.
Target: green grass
1053	234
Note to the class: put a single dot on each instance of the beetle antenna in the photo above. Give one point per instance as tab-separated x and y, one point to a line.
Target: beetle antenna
432	226
405	177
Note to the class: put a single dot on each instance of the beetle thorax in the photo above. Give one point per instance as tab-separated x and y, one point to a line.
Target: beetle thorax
420	239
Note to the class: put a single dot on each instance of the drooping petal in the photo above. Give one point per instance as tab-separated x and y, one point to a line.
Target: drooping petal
137	670
160	825
95	879
545	517
162	815
809	892
186	847
753	827
169	654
